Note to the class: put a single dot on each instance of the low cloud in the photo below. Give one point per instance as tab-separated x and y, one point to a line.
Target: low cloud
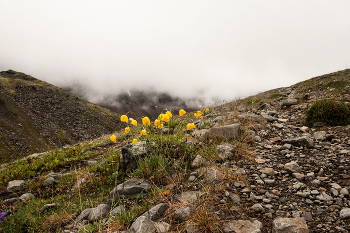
208	50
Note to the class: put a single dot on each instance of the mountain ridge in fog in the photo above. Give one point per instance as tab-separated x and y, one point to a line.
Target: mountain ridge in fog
148	102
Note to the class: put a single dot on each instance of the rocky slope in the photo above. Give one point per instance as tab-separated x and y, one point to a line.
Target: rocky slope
252	167
36	116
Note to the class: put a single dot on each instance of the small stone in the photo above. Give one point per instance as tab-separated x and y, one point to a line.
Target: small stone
242	226
182	213
344	213
292	167
268	171
49	181
289	225
257	207
26	197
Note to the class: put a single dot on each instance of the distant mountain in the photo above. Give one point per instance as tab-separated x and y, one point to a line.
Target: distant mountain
141	102
36	116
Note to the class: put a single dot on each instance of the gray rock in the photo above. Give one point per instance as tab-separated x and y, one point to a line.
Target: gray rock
344	191
118	210
235	198
15	184
324	197
132	188
189	196
257	207
213	176
289	225
218	119
200	133
49	181
242	226
290	102
251	117
292	167
229	132
198	161
130	154
53	175
143	225
226	151
11	200
182	213
301	141
268	118
84	215
268	171
257	138
162	227
320	135
344	213
156	212
91	162
99	212
26	197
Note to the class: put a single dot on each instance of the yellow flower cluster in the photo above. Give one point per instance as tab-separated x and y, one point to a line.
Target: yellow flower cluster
190	126
198	114
146	121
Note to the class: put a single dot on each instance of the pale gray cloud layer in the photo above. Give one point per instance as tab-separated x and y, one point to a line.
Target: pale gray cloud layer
226	48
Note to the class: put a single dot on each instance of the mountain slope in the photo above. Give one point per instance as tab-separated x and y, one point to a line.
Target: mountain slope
36	116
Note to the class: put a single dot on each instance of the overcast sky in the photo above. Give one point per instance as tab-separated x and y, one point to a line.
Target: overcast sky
222	48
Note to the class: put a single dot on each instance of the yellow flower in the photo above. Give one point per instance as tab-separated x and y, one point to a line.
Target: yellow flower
327	87
169	114
160	126
134	122
157	122
113	138
127	129
164	117
207	109
181	112
134	141
309	90
143	132
195	114
146	121
124	118
252	102
190	126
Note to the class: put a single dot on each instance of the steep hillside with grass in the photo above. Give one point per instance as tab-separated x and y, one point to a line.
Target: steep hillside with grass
36	116
251	165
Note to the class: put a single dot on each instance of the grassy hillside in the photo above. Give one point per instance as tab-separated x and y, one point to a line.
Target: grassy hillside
36	116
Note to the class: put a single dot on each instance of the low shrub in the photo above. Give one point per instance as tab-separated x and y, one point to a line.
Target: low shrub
329	112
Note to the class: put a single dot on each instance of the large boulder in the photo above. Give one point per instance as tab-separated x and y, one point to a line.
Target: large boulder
132	188
131	153
229	132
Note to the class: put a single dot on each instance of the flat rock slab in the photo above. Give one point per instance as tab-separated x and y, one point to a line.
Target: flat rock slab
292	167
132	188
289	225
300	141
242	226
182	213
290	102
251	117
15	184
230	132
49	181
189	196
